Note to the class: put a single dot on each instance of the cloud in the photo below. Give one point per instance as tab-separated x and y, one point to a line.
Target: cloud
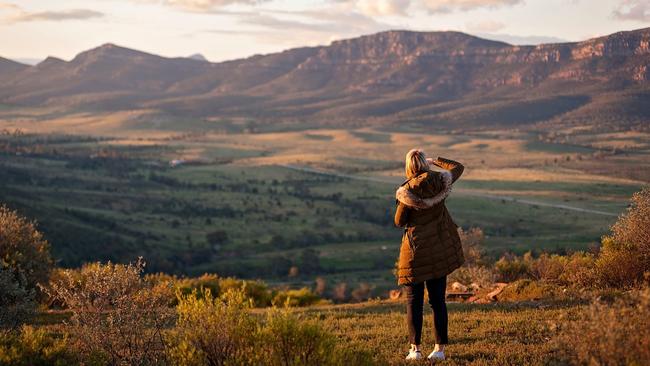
74	14
381	7
202	5
303	28
488	26
638	10
18	14
447	6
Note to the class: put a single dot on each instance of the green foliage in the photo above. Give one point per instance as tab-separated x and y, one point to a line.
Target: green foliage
529	290
511	268
293	298
24	264
36	347
17	303
291	342
222	331
213	331
257	292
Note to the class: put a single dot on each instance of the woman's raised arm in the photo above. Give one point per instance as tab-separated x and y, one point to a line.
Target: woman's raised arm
455	168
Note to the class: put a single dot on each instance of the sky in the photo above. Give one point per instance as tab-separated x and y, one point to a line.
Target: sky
31	30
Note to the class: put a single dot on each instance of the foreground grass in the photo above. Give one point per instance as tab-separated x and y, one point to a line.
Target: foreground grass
490	334
493	334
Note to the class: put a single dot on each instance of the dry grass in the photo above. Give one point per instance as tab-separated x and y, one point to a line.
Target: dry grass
513	334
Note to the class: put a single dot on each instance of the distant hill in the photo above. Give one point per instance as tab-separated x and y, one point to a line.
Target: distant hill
198	57
446	78
9	68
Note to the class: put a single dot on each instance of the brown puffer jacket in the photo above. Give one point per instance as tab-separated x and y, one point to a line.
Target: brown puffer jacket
431	246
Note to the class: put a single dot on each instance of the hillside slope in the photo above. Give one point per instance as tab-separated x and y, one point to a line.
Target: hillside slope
420	77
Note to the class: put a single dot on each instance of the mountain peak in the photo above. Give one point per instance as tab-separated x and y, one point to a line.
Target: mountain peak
10	66
50	61
110	50
197	57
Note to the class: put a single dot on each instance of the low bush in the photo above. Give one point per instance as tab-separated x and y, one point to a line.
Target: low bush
484	277
472	241
213	331
222	331
609	333
624	258
25	263
256	291
291	342
35	347
511	268
529	290
115	315
17	302
293	298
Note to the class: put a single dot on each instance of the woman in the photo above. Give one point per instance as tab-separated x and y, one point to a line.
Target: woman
431	247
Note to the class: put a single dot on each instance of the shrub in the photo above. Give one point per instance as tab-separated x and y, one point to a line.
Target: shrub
23	249
578	270
472	241
17	303
529	290
222	331
35	347
293	298
256	291
634	226
24	263
624	258
289	341
114	312
213	331
511	268
482	276
362	292
609	334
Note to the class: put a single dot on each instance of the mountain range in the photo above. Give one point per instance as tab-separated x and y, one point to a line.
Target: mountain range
450	79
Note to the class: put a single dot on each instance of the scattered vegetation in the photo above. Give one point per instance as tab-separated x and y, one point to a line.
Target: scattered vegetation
24	263
608	333
116	318
120	316
624	258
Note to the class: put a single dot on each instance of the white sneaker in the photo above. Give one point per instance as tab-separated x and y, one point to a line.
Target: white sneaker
436	356
414	355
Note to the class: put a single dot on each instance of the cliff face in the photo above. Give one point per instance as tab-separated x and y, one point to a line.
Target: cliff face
413	67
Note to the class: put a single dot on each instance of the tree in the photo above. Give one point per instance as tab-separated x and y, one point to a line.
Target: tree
310	261
25	263
217	237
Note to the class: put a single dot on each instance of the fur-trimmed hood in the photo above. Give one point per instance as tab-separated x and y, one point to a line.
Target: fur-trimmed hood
425	190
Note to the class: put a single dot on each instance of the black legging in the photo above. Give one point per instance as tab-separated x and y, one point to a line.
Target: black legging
415	297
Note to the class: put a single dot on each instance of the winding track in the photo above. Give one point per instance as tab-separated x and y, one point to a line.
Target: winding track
464	192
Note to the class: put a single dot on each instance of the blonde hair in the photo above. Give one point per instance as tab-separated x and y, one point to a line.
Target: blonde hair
416	163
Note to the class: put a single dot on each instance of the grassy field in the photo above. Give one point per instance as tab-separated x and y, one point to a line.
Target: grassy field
241	203
517	333
495	334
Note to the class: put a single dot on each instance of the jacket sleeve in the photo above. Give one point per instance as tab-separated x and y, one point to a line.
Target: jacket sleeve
401	214
454	167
